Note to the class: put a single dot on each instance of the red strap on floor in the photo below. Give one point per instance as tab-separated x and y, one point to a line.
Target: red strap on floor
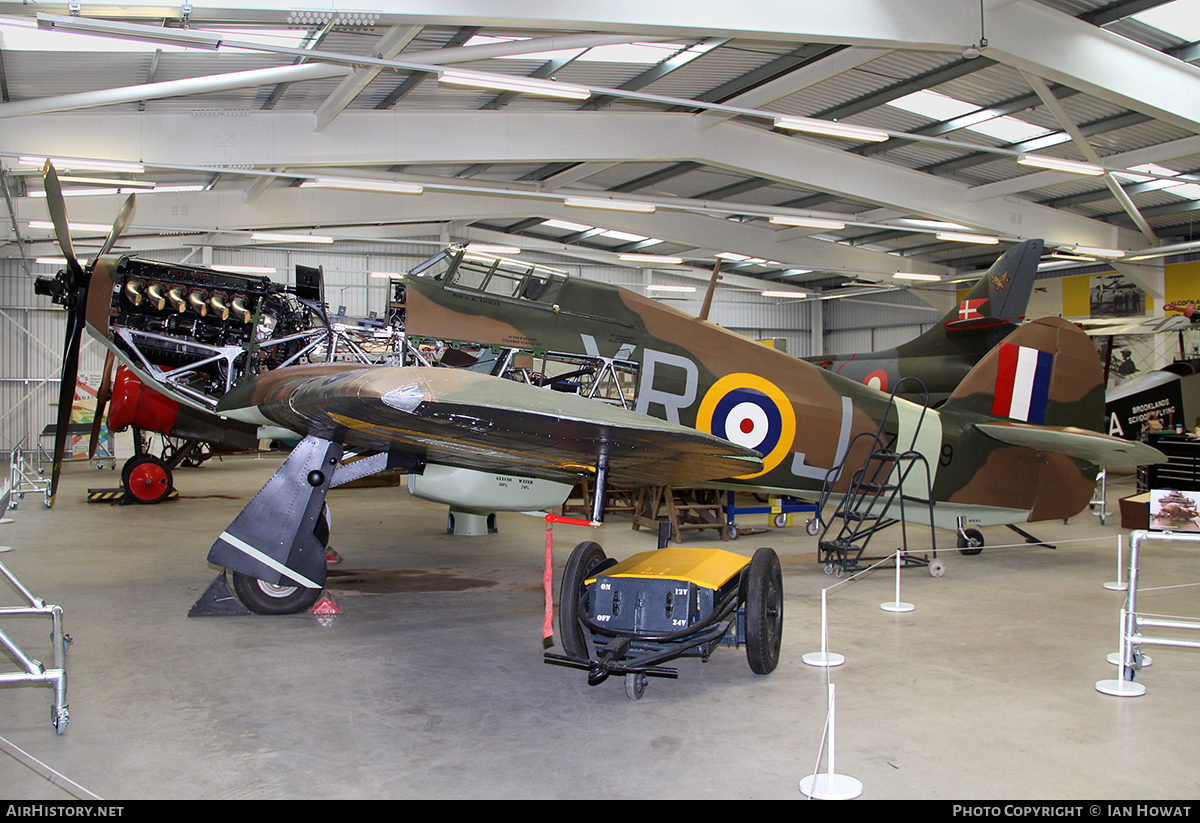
548	570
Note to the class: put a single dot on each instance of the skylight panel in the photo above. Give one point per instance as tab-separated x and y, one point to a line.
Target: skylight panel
942	107
644	53
933	105
1009	129
1181	18
565	224
623	235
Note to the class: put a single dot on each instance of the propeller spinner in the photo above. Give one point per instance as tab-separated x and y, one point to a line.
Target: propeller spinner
70	289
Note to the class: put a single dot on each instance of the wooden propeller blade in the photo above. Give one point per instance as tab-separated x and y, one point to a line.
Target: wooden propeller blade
102	395
58	214
66	395
123	218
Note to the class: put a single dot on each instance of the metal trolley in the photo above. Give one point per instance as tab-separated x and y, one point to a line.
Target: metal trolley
628	618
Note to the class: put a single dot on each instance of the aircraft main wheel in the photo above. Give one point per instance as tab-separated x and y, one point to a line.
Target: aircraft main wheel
764	611
147	479
262	597
635	686
585	557
970	542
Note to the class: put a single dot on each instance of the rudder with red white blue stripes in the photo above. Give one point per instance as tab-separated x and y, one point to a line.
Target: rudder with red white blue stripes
1022	383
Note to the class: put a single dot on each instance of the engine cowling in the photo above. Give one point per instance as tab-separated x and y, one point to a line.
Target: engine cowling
133	403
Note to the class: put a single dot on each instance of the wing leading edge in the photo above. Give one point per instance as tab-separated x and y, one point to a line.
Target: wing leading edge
461	418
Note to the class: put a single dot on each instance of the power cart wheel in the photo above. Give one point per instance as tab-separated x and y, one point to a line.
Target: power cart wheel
635	686
764	611
585	557
261	597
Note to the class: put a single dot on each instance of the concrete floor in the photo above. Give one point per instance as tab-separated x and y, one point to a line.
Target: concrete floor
431	683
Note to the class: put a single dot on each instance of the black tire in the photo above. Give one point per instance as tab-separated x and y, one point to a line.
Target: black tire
585	557
147	479
261	597
764	611
970	542
635	686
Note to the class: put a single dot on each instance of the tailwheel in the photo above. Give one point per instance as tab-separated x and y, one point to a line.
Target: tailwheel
147	479
764	611
970	541
262	597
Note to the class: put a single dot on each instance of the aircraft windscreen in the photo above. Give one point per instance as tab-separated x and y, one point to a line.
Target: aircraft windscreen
502	277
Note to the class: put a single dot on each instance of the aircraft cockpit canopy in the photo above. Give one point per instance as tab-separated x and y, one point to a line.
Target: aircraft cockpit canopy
461	268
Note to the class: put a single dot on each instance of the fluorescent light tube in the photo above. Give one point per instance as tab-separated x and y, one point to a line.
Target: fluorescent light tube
129	31
521	85
363	184
270	237
793	294
1056	164
831	129
89	165
904	275
661	259
484	248
967	238
1097	252
46	224
654	287
808	222
613	205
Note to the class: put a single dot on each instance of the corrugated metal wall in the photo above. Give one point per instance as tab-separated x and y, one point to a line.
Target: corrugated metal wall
862	325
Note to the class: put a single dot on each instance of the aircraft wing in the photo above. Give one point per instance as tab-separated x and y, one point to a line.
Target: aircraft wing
460	418
1092	447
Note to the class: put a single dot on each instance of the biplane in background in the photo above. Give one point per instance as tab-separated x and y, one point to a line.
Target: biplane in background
1015	442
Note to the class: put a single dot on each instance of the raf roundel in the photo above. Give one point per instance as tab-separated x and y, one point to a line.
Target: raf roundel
751	411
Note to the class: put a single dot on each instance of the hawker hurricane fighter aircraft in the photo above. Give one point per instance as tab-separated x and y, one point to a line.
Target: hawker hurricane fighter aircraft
702	406
941	357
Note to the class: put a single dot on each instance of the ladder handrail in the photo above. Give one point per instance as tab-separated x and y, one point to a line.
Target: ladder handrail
864	507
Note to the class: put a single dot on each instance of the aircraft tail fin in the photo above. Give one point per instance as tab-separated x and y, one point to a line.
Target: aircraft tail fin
1046	372
996	302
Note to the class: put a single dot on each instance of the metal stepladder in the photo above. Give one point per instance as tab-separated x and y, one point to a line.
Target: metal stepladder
874	488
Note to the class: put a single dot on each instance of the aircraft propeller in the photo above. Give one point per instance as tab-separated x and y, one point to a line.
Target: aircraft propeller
102	395
70	289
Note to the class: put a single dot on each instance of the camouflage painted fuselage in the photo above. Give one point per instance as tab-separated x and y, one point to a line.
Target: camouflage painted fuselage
801	418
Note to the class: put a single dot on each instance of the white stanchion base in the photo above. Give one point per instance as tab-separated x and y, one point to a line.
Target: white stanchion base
897	606
1117	587
5	548
1120	688
828	659
1115	659
5	520
830	787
